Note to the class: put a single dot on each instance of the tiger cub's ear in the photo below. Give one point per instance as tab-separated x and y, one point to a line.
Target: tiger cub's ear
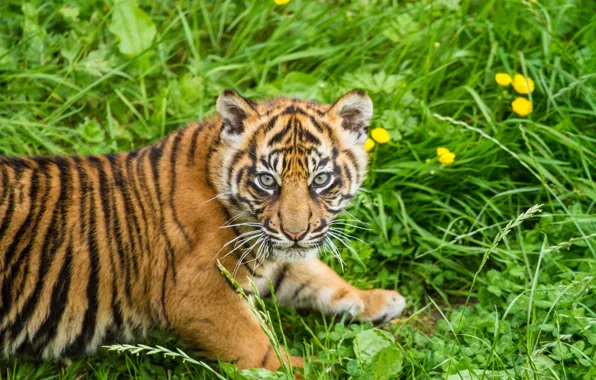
355	109
233	110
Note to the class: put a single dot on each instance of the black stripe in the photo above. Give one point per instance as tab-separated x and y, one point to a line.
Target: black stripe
106	190
130	219
143	178
233	165
155	155
309	137
8	213
87	224
299	290
132	179
322	162
115	227
271	124
321	127
321	227
173	159
266	356
348	174
192	150
31	213
291	109
280	278
116	308
89	321
48	330
350	156
212	148
3	184
264	162
163	292
18	164
104	194
279	136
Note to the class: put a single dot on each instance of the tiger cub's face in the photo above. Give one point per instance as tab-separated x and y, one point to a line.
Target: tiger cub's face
291	166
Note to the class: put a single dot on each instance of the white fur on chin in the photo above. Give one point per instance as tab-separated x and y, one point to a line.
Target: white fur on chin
293	255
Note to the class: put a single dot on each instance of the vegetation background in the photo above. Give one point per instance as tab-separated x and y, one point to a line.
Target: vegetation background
494	291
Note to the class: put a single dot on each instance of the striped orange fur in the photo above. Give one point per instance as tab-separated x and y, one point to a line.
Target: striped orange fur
103	248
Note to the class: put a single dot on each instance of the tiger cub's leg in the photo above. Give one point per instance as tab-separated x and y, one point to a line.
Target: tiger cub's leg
209	315
312	284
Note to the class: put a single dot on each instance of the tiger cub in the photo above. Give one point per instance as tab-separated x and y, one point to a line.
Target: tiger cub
103	246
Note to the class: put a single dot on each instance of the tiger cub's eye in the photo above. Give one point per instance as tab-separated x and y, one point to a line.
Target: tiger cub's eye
322	180
266	181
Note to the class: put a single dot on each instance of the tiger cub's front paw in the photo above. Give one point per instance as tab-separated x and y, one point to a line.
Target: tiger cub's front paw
381	306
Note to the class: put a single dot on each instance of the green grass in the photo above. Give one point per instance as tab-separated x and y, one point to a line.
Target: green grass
482	303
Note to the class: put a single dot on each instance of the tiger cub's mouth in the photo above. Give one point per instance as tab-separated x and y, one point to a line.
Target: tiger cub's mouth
294	253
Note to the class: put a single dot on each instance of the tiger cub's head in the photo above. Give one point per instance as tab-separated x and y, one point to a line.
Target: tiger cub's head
291	166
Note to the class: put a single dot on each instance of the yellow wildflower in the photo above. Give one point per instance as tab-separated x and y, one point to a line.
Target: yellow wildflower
281	2
368	145
380	135
445	156
523	85
503	79
440	151
522	106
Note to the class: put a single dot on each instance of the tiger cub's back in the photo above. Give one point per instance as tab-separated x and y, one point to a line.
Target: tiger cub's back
85	247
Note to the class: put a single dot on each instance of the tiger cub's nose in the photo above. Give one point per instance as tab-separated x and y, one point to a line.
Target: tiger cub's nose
295	234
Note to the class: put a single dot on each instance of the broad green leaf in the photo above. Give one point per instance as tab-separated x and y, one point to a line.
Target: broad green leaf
388	363
369	343
382	358
133	27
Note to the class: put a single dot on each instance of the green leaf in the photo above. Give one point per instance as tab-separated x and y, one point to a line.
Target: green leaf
96	62
388	363
70	13
592	339
353	368
368	343
382	358
494	290
133	27
91	131
543	363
